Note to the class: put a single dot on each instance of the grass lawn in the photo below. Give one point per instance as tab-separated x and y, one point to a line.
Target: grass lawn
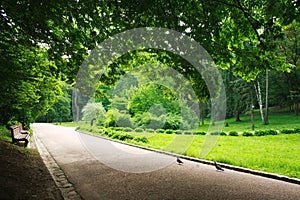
277	121
277	154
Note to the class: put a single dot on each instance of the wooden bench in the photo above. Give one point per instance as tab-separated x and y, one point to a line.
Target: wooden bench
18	134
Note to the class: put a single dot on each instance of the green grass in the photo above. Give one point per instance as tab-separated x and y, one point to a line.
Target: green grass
69	124
277	121
5	133
277	154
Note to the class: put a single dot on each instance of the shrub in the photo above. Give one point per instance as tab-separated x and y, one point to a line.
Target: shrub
150	130
260	133
200	133
111	134
138	129
223	133
127	129
287	131
125	121
118	128
160	131
141	139
169	131
297	130
188	132
122	136
233	133
172	122
246	134
272	132
178	132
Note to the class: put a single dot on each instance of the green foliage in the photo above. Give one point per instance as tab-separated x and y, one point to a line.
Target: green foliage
125	121
141	139
150	130
200	133
247	134
61	110
127	129
93	111
160	131
116	118
260	133
233	133
223	134
138	129
112	116
297	130
122	136
4	133
287	131
265	132
172	122
178	132
28	86
272	132
217	133
169	131
186	132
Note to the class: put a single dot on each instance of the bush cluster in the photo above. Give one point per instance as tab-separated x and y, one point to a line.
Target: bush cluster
288	131
265	132
160	130
169	131
123	136
233	133
127	129
200	133
247	134
141	139
150	130
138	129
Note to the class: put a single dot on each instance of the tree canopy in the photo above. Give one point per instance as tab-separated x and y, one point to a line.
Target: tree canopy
45	42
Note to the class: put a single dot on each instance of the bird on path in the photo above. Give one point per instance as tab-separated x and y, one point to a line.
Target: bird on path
218	167
179	162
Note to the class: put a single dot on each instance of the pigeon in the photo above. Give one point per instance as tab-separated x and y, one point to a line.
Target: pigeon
179	161
218	167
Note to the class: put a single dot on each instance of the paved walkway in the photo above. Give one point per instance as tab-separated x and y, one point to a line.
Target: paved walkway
101	169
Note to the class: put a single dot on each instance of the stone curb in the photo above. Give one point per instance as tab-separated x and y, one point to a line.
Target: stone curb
207	162
65	186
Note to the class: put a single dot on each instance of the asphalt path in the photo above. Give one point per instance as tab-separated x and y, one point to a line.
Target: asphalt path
102	169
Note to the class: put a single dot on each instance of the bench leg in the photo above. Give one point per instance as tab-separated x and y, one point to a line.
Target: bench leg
26	143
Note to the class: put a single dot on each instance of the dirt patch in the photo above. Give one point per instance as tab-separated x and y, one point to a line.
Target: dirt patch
24	175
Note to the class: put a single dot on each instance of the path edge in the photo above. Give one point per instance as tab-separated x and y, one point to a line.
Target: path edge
66	188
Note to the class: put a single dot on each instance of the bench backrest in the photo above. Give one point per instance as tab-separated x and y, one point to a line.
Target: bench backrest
15	130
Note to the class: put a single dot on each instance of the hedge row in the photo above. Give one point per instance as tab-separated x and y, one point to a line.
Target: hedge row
123	136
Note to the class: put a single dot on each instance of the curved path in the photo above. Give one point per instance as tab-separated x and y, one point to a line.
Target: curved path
101	169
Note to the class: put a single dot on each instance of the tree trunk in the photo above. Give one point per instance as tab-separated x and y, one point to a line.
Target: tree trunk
76	105
267	97
237	116
202	112
237	113
259	99
252	107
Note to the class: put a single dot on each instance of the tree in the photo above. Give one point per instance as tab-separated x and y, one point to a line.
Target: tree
93	112
69	30
289	48
61	110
